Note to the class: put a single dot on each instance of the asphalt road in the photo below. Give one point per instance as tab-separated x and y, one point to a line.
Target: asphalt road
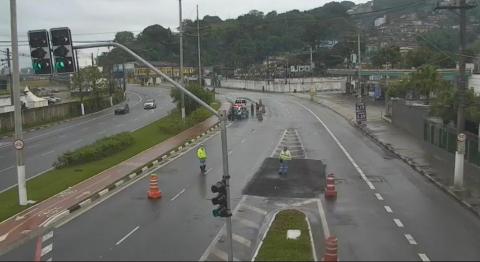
391	213
42	147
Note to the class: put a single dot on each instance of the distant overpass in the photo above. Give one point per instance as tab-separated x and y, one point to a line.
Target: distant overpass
378	74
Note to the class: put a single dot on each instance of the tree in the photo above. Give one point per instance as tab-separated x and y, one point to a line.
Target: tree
124	37
190	104
387	55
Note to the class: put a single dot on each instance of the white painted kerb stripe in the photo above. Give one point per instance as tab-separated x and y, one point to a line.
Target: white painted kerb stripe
359	170
47	236
47	249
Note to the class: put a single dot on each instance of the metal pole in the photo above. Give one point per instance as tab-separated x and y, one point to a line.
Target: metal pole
199	52
182	101
82	107
10	76
462	79
359	91
226	178
93	63
22	189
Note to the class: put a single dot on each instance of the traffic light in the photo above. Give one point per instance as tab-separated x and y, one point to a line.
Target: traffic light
40	52
220	200
62	50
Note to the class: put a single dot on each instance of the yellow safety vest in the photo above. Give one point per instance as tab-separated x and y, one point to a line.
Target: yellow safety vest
202	153
285	155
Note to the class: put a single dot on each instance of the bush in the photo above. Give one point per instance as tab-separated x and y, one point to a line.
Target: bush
100	149
190	105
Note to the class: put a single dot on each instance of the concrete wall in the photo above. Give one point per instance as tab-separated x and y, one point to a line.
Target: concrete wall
409	116
51	113
298	84
474	83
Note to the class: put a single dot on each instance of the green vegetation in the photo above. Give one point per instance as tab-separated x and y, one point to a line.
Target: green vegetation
98	150
276	246
57	180
243	41
190	104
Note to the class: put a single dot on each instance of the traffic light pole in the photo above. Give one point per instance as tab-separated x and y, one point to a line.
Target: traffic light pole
22	189
220	114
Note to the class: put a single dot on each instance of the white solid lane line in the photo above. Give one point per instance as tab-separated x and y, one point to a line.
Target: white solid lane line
177	195
126	236
48	153
323	219
349	157
5	169
208	170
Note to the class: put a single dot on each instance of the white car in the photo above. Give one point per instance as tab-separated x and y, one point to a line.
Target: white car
149	104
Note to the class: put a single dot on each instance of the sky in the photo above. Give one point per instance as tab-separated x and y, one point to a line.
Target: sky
100	19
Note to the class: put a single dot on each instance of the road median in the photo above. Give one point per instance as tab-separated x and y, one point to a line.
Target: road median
287	239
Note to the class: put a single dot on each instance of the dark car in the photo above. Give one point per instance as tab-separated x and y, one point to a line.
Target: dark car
122	110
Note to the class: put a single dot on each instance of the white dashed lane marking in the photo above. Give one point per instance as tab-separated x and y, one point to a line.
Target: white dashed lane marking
177	195
423	257
388	209
126	236
379	197
410	239
398	222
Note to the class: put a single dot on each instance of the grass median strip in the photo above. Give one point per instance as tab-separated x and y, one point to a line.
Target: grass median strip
277	247
57	180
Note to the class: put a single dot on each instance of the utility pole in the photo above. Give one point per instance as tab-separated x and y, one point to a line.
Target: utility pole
199	52
22	188
82	107
10	76
359	89
93	62
462	81
182	82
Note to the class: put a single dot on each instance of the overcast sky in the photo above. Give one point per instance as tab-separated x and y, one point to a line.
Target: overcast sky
100	19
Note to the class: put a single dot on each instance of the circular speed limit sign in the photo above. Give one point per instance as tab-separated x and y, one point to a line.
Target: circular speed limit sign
18	144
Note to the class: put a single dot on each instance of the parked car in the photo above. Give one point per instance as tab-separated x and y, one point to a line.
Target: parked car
53	99
125	109
150	104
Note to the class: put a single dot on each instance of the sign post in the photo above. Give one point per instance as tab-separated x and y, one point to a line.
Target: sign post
361	112
459	163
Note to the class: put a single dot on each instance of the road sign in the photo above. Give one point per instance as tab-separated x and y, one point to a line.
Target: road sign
18	144
361	112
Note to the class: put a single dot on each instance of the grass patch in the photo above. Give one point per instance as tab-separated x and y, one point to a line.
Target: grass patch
57	180
276	246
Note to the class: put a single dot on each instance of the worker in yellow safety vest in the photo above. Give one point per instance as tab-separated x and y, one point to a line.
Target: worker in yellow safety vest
285	156
202	157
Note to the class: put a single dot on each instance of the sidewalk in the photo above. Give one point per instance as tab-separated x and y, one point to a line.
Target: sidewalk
35	219
434	163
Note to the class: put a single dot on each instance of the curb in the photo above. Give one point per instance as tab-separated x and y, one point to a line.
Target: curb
405	159
83	202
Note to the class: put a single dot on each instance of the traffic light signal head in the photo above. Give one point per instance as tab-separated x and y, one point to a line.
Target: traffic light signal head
62	50
40	51
220	200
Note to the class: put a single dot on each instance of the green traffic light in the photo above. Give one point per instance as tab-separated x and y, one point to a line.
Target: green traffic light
60	65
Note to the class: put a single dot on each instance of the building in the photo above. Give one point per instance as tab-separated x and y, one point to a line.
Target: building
139	73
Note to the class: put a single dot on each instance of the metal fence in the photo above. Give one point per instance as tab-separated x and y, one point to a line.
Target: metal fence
446	138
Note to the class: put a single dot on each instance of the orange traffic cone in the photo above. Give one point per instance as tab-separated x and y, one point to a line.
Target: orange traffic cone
330	179
331	249
154	192
330	192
